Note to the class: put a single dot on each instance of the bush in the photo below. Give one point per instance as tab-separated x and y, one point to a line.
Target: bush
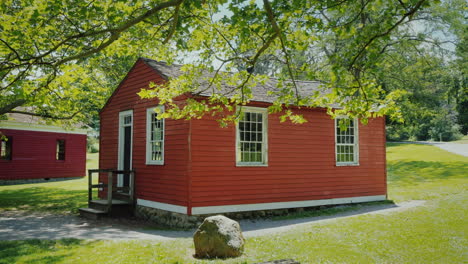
448	133
92	145
444	128
396	133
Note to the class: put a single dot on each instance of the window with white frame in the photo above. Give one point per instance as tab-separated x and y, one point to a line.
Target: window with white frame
154	136
347	148
5	147
251	137
60	149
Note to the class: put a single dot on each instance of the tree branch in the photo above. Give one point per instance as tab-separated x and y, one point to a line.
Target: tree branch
174	24
277	29
9	107
363	48
11	48
46	115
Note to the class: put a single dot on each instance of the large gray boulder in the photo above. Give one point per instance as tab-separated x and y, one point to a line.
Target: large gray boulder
218	237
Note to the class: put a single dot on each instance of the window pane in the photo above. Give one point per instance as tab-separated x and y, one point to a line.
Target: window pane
259	157
254	117
345	141
253	127
127	120
60	149
258	147
246	156
251	137
253	157
156	134
6	146
247	136
3	149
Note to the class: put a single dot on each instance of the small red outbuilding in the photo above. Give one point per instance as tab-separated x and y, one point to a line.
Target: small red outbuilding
195	167
31	151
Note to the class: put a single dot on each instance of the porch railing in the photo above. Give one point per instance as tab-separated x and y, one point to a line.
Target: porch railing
111	189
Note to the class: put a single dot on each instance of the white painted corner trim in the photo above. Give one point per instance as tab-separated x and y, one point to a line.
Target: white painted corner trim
283	205
40	128
163	206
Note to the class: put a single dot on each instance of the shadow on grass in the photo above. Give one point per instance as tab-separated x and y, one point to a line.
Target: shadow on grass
43	199
407	172
38	251
395	144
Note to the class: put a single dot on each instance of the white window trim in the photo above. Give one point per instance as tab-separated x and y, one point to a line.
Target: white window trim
356	143
150	111
263	111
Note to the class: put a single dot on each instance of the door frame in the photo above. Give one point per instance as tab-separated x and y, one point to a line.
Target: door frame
121	143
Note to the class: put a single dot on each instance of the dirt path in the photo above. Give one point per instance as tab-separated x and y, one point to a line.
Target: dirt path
20	225
460	149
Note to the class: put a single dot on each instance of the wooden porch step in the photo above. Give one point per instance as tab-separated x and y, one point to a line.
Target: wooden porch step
119	208
121	196
92	213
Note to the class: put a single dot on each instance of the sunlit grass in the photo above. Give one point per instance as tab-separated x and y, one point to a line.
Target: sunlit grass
421	172
463	140
57	197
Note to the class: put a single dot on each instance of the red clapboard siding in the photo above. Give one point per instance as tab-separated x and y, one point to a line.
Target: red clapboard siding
162	183
34	156
301	163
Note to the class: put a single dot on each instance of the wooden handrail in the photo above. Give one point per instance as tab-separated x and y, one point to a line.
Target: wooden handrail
110	184
110	170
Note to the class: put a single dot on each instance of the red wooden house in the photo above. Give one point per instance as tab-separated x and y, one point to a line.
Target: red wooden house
196	167
33	151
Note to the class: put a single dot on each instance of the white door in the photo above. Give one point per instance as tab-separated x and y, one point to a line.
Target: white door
125	147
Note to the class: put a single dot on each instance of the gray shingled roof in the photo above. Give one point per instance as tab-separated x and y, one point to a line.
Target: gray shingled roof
34	120
259	92
22	118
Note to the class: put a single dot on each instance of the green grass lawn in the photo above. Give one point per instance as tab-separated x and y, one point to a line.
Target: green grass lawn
423	172
463	140
434	233
57	197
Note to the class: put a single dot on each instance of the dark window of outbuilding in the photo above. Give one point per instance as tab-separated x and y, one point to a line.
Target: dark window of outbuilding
60	149
6	144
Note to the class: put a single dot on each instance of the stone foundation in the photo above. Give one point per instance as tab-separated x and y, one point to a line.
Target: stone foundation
167	218
178	220
29	181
